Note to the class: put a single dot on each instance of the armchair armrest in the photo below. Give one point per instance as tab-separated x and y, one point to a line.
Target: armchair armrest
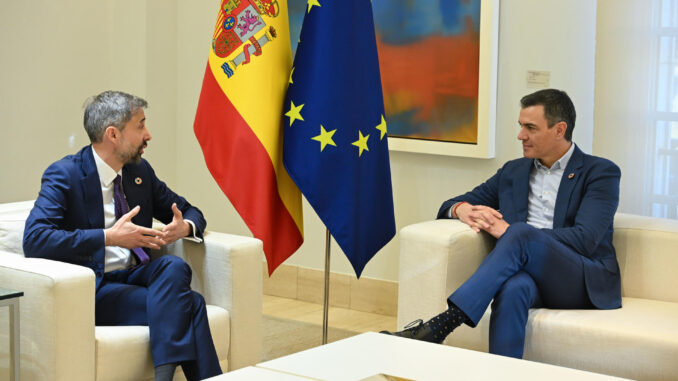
57	317
646	262
227	272
436	257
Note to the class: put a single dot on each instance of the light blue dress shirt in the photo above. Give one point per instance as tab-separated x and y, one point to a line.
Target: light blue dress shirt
544	184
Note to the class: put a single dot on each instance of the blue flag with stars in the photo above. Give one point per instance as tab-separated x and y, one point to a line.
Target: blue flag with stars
335	145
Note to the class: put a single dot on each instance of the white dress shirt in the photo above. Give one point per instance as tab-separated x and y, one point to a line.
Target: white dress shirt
116	257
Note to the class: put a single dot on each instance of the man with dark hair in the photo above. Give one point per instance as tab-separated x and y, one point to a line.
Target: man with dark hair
82	216
552	214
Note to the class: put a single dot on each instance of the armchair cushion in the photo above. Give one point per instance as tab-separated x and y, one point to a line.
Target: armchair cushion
637	341
129	346
12	219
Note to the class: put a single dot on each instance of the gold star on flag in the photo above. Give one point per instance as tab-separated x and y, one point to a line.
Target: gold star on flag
292	72
382	127
325	138
361	143
294	113
311	3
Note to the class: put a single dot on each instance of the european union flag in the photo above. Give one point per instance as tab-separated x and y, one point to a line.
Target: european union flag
335	145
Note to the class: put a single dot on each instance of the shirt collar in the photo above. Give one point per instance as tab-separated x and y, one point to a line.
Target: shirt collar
106	173
560	163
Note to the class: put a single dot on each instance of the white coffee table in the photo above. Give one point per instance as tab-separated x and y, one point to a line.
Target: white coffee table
252	373
368	354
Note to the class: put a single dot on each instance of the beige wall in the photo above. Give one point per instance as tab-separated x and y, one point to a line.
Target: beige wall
55	54
53	57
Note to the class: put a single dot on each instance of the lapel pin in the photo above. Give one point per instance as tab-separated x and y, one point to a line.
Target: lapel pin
570	176
137	181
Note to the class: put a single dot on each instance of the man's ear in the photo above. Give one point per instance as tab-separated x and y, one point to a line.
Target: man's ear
112	133
561	128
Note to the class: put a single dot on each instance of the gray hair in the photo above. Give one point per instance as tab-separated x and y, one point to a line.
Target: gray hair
110	108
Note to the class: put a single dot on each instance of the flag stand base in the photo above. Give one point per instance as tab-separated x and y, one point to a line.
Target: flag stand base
326	297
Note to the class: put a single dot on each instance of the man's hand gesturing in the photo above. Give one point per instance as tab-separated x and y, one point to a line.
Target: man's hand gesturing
128	235
178	228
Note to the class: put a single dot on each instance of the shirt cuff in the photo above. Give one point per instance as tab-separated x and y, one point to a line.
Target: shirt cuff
195	238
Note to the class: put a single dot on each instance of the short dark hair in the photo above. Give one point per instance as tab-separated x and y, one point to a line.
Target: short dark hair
110	108
558	107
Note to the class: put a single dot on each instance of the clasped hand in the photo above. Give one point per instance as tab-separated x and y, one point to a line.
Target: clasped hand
125	233
481	217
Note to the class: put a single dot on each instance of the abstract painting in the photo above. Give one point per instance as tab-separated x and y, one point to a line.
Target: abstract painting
437	61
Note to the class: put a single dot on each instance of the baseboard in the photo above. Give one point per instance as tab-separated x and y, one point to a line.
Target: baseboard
364	294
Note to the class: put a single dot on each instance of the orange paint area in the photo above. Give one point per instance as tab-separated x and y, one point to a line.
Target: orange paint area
435	80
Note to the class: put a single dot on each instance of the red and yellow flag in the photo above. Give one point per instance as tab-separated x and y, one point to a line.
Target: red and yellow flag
238	121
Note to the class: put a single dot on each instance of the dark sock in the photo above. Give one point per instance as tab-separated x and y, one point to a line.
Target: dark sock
444	323
165	372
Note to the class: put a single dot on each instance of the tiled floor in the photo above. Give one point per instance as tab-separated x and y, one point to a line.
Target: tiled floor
341	318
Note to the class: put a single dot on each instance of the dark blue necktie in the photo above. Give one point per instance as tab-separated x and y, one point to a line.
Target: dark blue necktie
121	208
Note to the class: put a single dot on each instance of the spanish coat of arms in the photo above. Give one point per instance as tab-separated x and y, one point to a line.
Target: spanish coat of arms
238	23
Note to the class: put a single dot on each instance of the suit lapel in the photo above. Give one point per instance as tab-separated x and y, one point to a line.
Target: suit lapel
521	189
570	178
92	190
132	190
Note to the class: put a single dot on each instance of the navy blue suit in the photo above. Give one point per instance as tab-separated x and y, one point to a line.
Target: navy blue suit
66	224
573	265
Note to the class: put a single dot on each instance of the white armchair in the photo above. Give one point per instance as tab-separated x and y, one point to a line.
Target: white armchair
638	341
59	340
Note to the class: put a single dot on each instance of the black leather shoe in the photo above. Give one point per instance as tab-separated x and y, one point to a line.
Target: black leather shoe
418	330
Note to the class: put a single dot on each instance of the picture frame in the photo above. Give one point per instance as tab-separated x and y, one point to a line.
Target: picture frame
484	145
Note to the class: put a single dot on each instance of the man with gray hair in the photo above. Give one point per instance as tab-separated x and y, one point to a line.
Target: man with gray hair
95	209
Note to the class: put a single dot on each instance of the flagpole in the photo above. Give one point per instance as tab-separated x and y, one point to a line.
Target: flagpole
326	298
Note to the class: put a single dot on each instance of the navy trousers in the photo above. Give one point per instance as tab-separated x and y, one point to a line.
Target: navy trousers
527	268
159	295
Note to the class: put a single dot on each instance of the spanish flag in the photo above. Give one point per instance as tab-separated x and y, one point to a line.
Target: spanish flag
238	122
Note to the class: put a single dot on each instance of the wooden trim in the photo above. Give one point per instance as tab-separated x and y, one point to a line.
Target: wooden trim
365	294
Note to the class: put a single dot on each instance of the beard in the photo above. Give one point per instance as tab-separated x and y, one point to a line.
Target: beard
133	155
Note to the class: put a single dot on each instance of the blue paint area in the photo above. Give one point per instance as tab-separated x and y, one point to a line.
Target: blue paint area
404	123
406	21
453	113
401	22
